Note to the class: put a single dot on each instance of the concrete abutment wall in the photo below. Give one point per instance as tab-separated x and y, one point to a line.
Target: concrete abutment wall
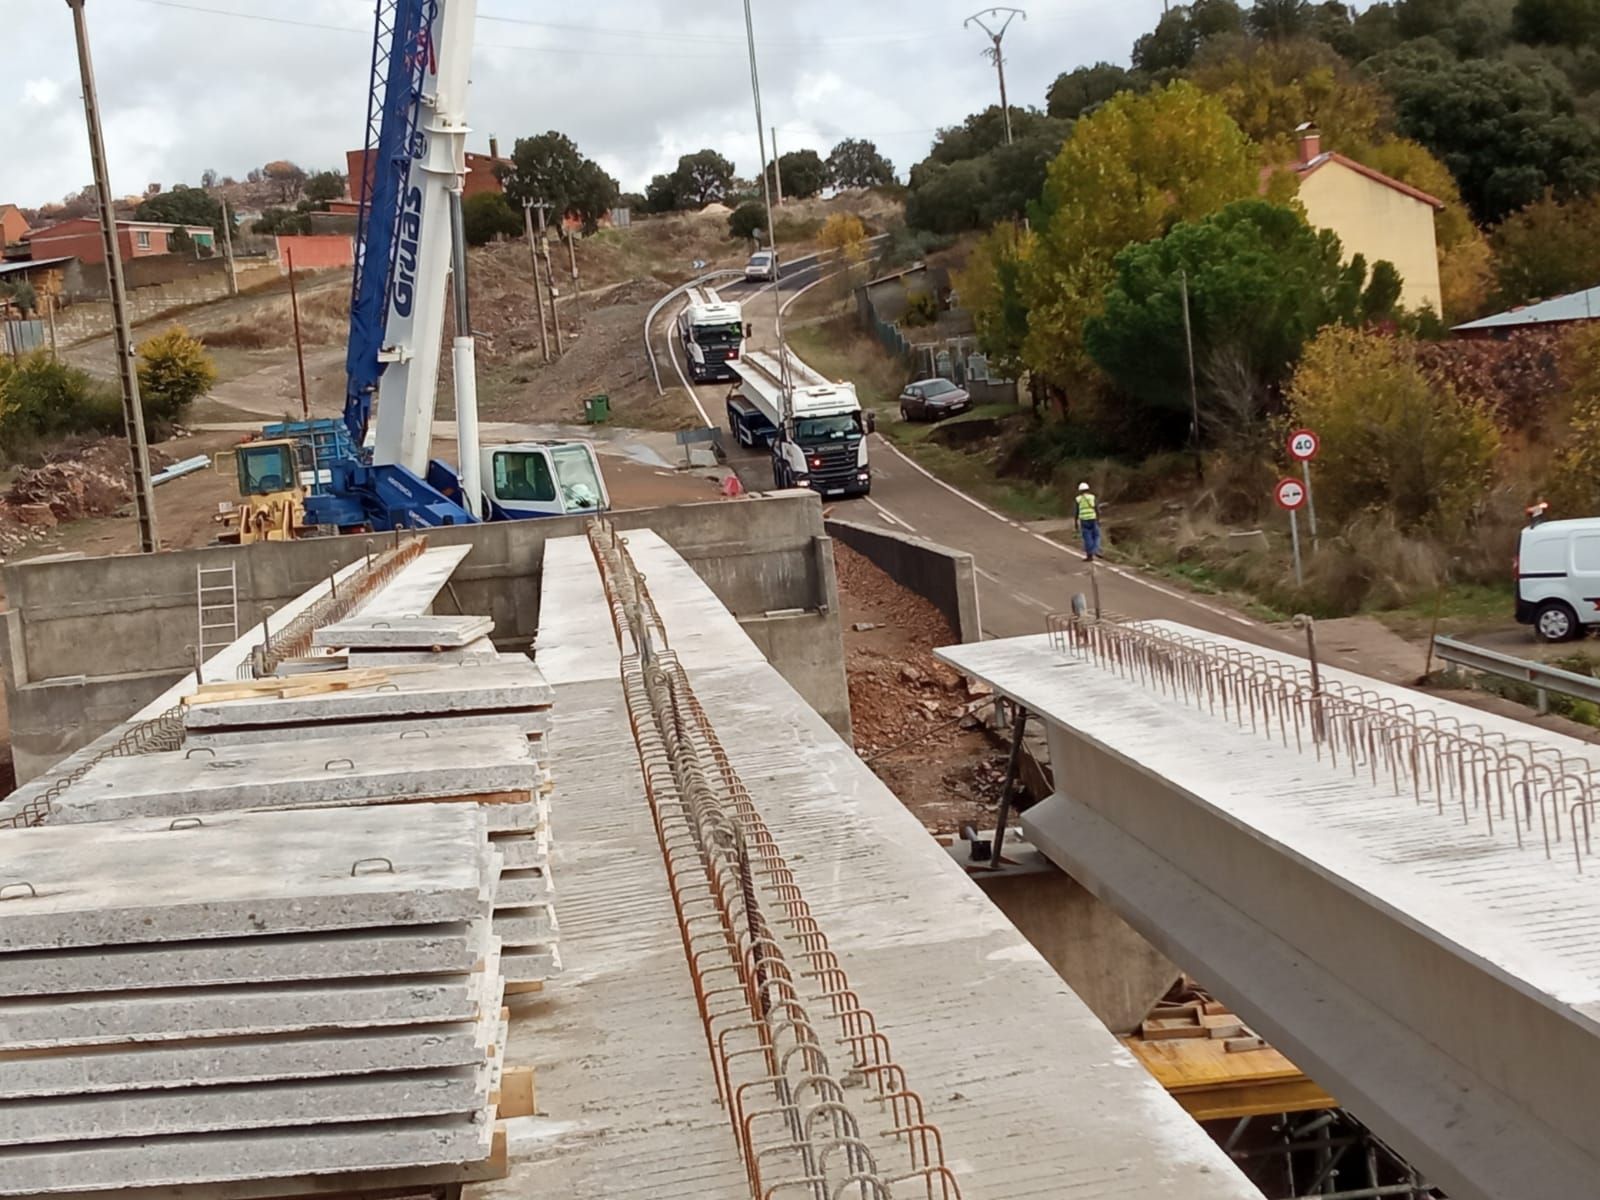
946	578
87	641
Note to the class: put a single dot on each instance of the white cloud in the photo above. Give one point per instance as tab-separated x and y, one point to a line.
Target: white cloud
634	82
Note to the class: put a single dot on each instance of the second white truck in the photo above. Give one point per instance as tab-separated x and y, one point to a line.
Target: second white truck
818	439
713	333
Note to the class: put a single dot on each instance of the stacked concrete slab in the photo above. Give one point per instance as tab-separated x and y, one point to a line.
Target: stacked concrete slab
247	996
442	727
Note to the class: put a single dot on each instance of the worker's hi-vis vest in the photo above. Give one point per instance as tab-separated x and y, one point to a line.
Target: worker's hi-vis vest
1088	507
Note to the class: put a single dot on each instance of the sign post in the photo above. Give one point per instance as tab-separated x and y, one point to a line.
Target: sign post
1303	447
1291	497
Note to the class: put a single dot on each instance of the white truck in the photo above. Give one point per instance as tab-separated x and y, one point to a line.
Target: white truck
713	333
818	438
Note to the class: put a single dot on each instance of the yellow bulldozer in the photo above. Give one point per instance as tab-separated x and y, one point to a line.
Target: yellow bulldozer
272	491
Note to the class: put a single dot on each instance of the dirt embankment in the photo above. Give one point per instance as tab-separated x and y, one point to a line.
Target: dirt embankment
917	724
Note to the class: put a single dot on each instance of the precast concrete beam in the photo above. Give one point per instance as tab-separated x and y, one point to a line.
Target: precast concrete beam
70	1168
77	1071
412	632
226	1108
349	954
534	724
233	874
1440	980
319	773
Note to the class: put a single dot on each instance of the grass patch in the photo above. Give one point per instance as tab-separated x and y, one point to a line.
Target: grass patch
1462	607
1585	712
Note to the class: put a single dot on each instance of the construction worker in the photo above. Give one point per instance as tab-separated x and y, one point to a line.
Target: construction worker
1088	518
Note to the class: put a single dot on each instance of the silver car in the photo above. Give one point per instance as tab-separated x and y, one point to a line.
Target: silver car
932	399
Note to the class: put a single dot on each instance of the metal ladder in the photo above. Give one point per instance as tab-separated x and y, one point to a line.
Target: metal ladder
217	609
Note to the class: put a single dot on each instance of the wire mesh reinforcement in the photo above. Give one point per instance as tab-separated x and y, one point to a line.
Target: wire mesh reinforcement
817	1103
1445	763
295	639
164	732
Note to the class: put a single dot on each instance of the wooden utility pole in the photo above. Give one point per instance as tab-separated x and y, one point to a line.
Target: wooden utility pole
550	277
127	368
996	52
577	293
777	171
538	285
227	250
299	348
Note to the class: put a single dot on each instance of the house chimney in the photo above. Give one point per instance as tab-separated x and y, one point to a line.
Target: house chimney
1310	142
494	148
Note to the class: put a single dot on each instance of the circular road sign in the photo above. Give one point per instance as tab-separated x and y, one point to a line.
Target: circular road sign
1303	445
1290	494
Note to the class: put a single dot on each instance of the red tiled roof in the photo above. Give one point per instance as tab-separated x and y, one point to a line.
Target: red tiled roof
1332	156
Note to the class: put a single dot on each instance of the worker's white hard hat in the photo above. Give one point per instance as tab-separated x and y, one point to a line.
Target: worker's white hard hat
1083	487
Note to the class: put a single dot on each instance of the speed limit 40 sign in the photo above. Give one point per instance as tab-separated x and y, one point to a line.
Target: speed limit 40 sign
1290	494
1303	445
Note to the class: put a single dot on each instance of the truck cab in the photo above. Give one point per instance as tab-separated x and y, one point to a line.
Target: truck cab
543	479
713	336
823	444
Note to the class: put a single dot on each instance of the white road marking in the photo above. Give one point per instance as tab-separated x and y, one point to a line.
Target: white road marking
887	515
1130	576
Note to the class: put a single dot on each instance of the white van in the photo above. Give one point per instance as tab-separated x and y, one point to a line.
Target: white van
762	267
1558	578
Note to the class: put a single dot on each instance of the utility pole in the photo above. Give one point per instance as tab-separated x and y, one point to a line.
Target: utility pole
227	250
550	277
995	22
777	170
772	234
1194	391
577	294
299	346
538	285
127	369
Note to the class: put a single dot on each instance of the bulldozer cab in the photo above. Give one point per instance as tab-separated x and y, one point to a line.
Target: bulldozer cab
266	468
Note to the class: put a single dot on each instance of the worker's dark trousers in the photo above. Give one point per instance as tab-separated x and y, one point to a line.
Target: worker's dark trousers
1091	537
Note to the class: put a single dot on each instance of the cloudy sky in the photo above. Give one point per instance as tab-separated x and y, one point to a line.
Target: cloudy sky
191	84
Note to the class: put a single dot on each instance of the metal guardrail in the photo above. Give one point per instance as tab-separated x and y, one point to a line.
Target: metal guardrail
1544	679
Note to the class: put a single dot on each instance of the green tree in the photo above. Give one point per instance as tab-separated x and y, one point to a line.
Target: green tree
174	372
41	398
1261	282
289	178
803	172
1394	441
745	220
1556	22
990	287
549	169
1546	250
22	296
949	197
1169	47
325	186
489	215
1506	133
702	178
1574	484
1274	19
1270	88
1130	171
985	131
1086	88
182	206
661	194
856	163
284	221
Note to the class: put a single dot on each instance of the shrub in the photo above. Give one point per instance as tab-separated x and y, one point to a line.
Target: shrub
1575	475
174	372
746	219
41	398
1392	440
487	216
844	233
921	309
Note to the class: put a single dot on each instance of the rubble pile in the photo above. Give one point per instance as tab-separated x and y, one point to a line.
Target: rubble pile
93	480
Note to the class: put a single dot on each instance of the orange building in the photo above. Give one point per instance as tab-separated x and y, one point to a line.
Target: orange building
13	226
80	239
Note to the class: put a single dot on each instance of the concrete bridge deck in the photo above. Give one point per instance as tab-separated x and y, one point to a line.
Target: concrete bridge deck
1440	980
1034	1097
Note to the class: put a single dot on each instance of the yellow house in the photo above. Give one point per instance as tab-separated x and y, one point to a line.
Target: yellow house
1374	215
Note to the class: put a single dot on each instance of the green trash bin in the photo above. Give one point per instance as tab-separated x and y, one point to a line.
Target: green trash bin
597	409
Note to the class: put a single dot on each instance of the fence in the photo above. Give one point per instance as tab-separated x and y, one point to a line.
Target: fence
20	337
957	359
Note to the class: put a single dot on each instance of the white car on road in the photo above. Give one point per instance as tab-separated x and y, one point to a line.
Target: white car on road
763	266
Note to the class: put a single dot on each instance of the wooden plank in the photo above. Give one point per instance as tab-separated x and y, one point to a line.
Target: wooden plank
530	987
1256	1100
519	1096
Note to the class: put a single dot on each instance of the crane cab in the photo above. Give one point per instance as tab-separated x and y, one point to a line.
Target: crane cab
543	479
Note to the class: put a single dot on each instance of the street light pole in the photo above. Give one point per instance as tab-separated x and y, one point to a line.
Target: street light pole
1002	18
127	369
1194	391
766	191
